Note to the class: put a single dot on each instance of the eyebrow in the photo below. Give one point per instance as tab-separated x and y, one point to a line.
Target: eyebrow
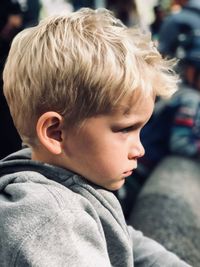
126	112
136	125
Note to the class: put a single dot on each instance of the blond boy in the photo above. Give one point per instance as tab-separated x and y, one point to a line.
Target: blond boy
80	88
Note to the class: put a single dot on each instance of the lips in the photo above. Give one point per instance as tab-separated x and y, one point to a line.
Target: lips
128	173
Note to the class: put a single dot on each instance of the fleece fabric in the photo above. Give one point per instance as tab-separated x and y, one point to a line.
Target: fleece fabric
52	217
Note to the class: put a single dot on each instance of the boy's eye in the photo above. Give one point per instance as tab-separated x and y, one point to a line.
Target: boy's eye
131	128
127	129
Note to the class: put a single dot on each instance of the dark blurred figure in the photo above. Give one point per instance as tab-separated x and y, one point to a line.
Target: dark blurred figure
159	15
31	11
177	24
82	3
125	10
10	25
174	128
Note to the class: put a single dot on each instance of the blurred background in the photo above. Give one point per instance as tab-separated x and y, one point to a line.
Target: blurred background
129	11
172	131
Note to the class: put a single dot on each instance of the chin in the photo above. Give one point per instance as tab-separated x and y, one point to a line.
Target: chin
116	186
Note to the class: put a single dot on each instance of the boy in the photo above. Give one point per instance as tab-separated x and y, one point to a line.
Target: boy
80	88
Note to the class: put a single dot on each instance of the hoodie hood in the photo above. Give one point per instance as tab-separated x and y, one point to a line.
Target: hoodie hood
21	161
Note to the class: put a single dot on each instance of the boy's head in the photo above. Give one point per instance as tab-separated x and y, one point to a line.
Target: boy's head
79	65
75	71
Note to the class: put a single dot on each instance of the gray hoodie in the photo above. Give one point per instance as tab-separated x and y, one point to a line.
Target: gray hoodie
52	217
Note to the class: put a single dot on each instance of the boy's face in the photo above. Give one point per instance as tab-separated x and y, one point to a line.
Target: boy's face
106	149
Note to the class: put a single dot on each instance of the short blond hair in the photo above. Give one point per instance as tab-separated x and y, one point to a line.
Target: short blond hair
80	65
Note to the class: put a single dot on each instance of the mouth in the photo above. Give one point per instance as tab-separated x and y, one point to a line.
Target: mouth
128	173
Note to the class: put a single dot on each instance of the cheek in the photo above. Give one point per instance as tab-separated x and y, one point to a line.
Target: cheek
112	146
102	153
111	154
107	166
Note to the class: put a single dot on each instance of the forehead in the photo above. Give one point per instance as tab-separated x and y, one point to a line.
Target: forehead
138	104
137	109
137	114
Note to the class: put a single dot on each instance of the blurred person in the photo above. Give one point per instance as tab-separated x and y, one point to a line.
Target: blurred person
10	25
125	10
77	4
177	24
176	5
155	26
31	12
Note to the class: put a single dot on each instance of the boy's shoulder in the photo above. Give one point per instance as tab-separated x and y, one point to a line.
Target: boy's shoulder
40	216
33	199
36	211
41	191
46	191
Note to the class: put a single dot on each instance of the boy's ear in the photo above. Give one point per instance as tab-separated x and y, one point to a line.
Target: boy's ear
49	131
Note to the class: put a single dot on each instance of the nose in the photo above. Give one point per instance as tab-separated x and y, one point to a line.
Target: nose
137	151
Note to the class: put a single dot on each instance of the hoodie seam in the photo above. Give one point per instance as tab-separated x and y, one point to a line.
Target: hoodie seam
32	233
57	198
37	230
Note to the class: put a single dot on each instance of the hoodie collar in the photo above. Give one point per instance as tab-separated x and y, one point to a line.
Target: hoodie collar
21	161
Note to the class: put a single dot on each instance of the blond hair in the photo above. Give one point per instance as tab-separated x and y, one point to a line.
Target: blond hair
80	65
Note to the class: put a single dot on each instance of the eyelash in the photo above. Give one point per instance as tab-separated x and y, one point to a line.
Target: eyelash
127	129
